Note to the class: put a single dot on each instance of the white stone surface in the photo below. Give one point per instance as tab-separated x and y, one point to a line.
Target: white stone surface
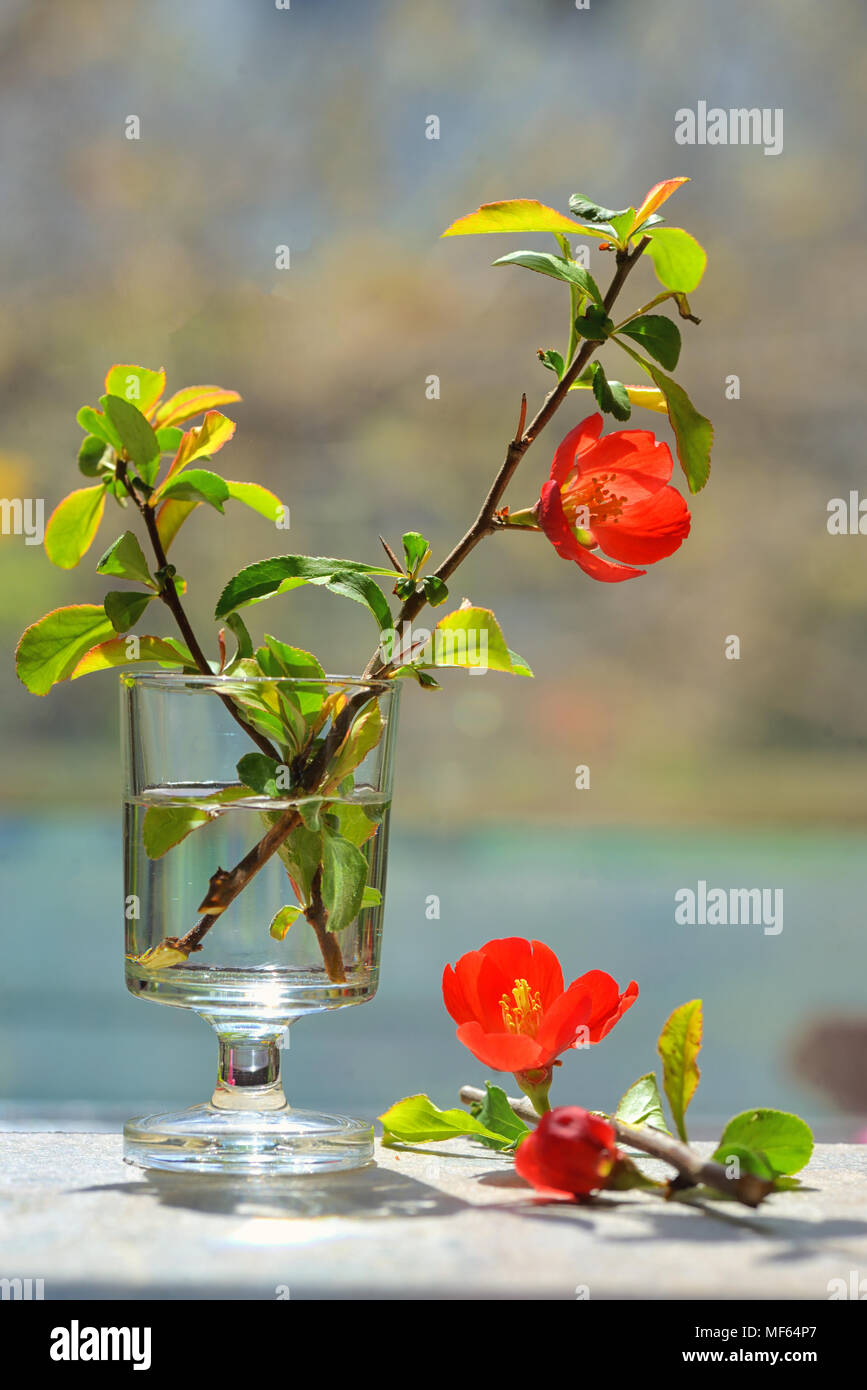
443	1223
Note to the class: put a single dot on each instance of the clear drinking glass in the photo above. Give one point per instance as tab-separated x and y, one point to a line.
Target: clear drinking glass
210	863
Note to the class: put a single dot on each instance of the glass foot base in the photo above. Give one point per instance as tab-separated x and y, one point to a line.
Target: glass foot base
205	1139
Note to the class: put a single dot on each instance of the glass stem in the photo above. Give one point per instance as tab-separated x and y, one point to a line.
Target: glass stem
248	1073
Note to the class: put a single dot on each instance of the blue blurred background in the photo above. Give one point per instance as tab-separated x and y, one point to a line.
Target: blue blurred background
306	127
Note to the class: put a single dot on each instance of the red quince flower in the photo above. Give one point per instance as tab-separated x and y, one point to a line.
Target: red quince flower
613	494
570	1153
514	1013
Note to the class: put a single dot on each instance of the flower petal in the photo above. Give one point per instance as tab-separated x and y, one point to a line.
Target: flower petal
600	569
580	440
559	1028
501	1051
605	1002
647	531
532	961
634	452
473	990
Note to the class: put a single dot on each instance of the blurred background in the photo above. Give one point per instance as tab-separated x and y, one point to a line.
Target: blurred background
306	127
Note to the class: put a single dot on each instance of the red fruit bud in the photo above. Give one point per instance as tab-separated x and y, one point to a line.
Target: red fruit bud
570	1152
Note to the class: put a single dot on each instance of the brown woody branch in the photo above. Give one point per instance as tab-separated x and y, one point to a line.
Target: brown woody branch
234	881
691	1167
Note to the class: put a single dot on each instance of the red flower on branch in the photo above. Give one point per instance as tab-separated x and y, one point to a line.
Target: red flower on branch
514	1013
612	494
570	1153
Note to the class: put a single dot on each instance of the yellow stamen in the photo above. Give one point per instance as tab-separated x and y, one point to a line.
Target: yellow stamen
522	1013
591	499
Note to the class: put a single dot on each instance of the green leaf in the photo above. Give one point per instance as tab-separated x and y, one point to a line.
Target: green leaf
621	224
784	1141
679	1045
91	454
171	517
587	211
611	396
749	1161
658	336
192	401
642	1104
164	827
93	422
595	325
344	876
416	550
364	735
237	626
371	897
471	638
693	432
286	572
196	485
141	386
169	439
288	661
678	259
259	772
354	824
553	360
126	559
124	607
435	590
73	525
282	921
137	436
625	1176
495	1113
257	498
546	263
416	1120
166	651
514	215
50	648
301	853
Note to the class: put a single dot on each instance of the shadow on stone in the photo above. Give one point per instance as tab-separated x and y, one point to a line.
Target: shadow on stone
369	1193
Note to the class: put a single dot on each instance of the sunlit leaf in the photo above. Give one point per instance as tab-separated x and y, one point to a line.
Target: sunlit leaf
73	524
416	1120
171	517
94	422
50	648
784	1141
678	259
546	263
203	441
166	651
137	436
655	197
258	499
642	1104
471	638
282	921
196	485
124	607
141	386
515	215
126	559
679	1045
192	401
